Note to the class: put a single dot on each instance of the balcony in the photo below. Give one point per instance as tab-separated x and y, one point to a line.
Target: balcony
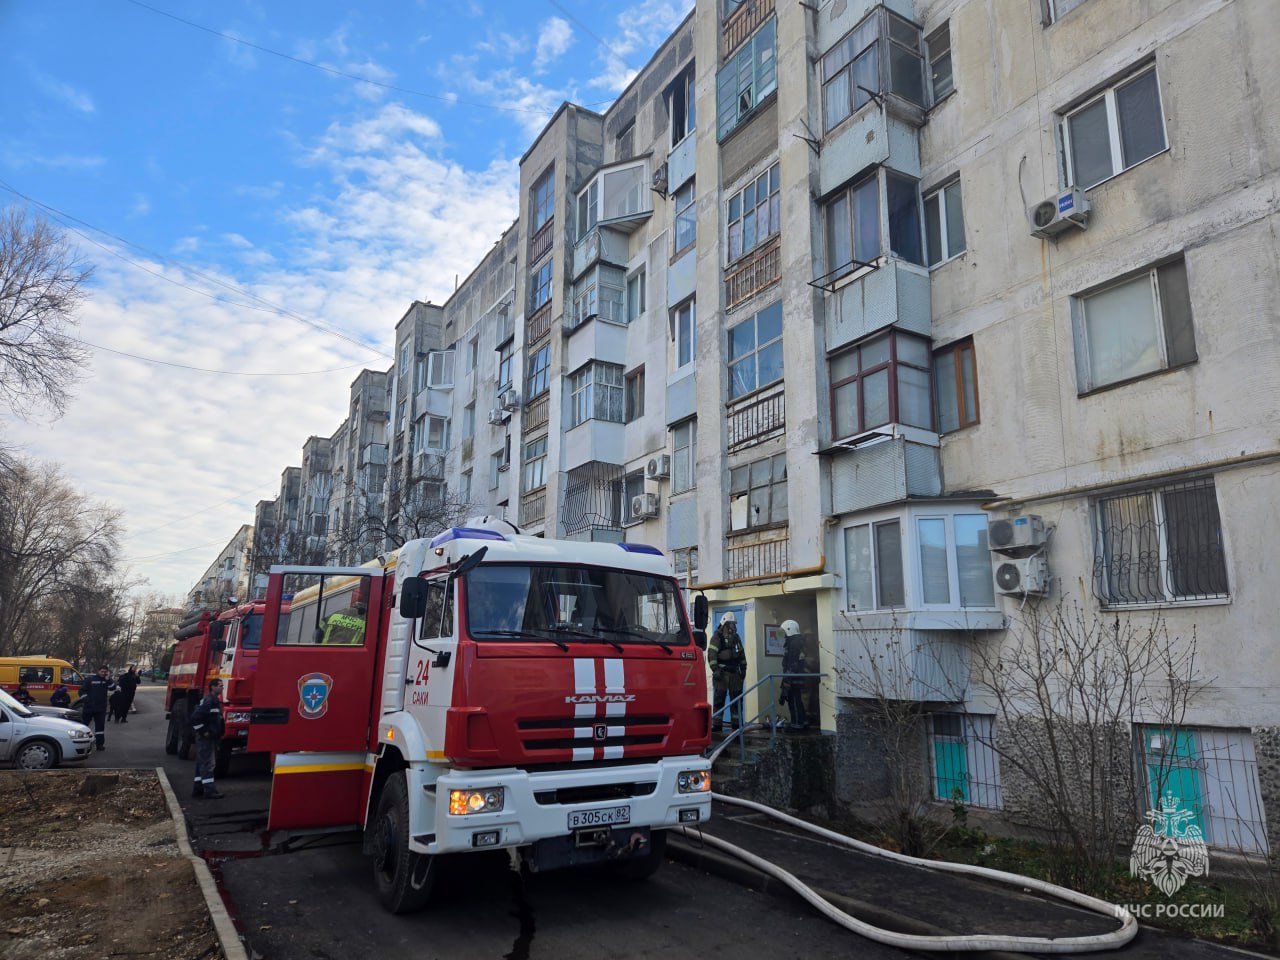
757	271
897	294
902	663
743	22
373	453
599	244
617	196
592	505
756	420
537	413
541	241
539	324
428	466
885	470
756	559
533	507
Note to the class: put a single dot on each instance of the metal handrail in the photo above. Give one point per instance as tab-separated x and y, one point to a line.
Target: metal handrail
771	709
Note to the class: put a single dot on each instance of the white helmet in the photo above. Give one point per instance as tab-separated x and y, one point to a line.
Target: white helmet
790	628
729	618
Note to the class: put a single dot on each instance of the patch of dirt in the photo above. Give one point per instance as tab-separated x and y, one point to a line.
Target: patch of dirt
90	868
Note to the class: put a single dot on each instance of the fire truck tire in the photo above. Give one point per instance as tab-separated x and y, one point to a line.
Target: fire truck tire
171	734
646	865
404	879
222	759
185	739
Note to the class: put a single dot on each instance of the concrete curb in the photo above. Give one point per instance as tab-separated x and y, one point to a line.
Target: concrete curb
685	851
232	948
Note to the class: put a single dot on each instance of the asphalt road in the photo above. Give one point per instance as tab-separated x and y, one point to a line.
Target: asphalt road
316	900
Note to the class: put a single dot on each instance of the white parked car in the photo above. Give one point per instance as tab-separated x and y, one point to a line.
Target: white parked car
34	742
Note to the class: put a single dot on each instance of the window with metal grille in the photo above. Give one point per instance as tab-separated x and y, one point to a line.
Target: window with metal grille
963	761
1162	545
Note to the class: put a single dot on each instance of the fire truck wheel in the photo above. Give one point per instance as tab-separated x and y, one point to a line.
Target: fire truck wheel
404	878
185	739
646	865
222	759
171	734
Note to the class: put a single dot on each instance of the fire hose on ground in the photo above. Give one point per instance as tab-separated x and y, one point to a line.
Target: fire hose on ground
969	942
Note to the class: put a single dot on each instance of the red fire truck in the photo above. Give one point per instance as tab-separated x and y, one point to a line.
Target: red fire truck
485	690
222	645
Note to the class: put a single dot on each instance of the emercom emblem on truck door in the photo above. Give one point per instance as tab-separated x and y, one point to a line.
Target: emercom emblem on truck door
313	695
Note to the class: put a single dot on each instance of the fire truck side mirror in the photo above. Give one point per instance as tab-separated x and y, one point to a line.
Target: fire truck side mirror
700	612
413	598
218	646
700	639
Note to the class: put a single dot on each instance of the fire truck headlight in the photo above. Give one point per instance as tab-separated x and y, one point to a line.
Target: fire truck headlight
694	781
463	802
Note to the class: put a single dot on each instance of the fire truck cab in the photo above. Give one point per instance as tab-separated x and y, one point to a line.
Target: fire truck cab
485	690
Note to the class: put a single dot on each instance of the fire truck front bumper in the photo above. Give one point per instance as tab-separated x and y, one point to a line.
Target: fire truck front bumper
594	809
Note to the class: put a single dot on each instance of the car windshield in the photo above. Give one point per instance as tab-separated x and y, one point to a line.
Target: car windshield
14	706
544	601
251	630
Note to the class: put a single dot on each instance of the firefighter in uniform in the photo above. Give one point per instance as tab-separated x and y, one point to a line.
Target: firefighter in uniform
206	722
728	670
793	661
94	690
346	626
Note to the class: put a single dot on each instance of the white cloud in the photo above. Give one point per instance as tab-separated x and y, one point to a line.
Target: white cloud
59	90
554	39
641	27
162	443
141	206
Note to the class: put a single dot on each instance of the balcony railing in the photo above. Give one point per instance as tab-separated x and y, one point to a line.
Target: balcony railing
756	560
756	420
750	274
743	22
539	324
533	507
537	413
541	241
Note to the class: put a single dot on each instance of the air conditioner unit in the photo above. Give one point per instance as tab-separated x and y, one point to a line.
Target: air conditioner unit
509	400
498	416
644	505
659	181
658	468
1058	214
1022	576
1016	533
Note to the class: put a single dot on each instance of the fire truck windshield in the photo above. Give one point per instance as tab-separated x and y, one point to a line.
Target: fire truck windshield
543	601
251	630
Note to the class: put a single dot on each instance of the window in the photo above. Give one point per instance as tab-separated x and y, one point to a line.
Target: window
401	409
1055	10
625	143
963	759
944	223
758	494
469	421
1161	545
464	489
941	81
873	566
851	70
634	400
1114	131
595	392
535	465
686	228
853	227
440	368
35	674
473	353
404	356
755	351
632	486
955	379
682	107
683	330
416	434
955	564
542	200
1135	327
541	293
684	455
588	208
884	380
746	79
419	373
437	435
328	613
599	294
620	192
635	295
537	383
495	468
904	218
505	353
754	214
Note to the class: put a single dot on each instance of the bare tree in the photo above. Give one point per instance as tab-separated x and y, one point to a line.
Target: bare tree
41	287
1069	687
415	506
53	539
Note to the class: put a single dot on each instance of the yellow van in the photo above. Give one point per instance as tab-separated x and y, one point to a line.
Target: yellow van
42	675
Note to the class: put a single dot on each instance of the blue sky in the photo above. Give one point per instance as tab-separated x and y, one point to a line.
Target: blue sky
232	200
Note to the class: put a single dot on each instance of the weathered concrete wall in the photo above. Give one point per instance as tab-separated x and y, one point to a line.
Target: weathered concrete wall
795	775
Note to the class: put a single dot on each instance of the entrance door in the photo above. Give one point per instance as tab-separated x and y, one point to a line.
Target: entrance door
313	696
717	616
